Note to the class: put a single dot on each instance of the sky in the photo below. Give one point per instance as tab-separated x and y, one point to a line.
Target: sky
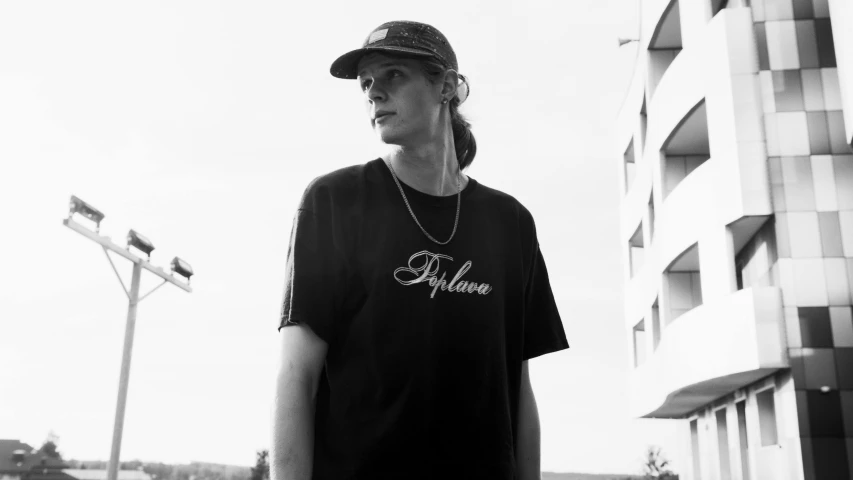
199	124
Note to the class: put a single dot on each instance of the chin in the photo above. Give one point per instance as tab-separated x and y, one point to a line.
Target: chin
389	136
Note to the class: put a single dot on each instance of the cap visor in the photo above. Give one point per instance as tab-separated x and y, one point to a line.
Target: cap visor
346	65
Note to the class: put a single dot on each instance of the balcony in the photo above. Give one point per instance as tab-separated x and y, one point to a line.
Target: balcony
630	167
711	351
712	90
689	209
664	45
636	252
678	92
686	149
683	284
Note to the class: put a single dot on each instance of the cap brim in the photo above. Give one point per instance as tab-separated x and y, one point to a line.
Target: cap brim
346	66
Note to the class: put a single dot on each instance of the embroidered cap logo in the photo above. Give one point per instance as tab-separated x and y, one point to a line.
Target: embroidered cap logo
377	35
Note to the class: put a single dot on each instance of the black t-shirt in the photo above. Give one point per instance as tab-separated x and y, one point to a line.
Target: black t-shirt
426	342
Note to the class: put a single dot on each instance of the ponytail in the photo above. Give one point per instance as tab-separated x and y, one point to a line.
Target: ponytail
463	139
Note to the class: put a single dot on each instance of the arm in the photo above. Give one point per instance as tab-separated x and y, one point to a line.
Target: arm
303	355
527	447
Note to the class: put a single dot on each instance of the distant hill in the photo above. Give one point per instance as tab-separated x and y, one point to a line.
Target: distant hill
216	471
589	476
163	471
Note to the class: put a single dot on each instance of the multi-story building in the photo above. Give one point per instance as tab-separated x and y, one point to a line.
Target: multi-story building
736	170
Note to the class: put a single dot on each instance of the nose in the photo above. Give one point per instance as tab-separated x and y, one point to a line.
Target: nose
374	92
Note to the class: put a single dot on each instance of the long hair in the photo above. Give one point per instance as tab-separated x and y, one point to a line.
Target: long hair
463	139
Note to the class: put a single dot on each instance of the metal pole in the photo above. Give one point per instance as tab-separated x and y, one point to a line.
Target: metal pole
112	470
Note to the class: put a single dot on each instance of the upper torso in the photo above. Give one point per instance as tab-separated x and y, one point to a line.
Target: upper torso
423	366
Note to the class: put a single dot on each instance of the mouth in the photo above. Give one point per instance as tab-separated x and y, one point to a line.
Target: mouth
380	115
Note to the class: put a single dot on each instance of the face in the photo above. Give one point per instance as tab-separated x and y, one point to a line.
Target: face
402	105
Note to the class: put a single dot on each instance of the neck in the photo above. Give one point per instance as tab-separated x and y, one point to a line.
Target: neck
430	168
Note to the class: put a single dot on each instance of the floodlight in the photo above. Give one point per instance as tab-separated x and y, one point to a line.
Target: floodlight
79	206
135	239
182	268
625	41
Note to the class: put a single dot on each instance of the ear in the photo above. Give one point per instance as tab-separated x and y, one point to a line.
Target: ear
449	84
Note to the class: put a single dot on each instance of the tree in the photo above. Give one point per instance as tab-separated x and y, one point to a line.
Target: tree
49	446
261	470
655	465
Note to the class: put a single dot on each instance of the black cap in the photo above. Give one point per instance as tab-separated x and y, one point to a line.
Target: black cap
398	37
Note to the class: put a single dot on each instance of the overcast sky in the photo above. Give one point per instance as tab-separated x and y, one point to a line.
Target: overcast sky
199	124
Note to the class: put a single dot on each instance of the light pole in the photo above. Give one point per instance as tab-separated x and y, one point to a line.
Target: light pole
141	243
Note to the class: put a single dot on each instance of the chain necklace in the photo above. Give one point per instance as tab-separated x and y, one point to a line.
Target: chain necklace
412	213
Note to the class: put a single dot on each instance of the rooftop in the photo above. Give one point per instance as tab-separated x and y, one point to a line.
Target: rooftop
19	457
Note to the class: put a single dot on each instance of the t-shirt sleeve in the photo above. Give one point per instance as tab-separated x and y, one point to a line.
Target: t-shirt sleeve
543	328
315	275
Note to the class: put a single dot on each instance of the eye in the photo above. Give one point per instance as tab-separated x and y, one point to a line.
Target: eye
365	84
394	73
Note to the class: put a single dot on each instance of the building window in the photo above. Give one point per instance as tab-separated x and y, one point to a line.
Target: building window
655	325
767	417
636	250
694	449
723	445
739	267
756	258
665	45
683	281
717	6
644	122
652	217
639	343
686	148
630	167
816	332
743	439
826	416
825	45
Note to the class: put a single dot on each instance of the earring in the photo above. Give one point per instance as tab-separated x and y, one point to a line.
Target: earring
444	101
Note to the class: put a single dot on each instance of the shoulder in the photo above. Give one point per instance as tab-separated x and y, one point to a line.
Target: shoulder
338	187
505	205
